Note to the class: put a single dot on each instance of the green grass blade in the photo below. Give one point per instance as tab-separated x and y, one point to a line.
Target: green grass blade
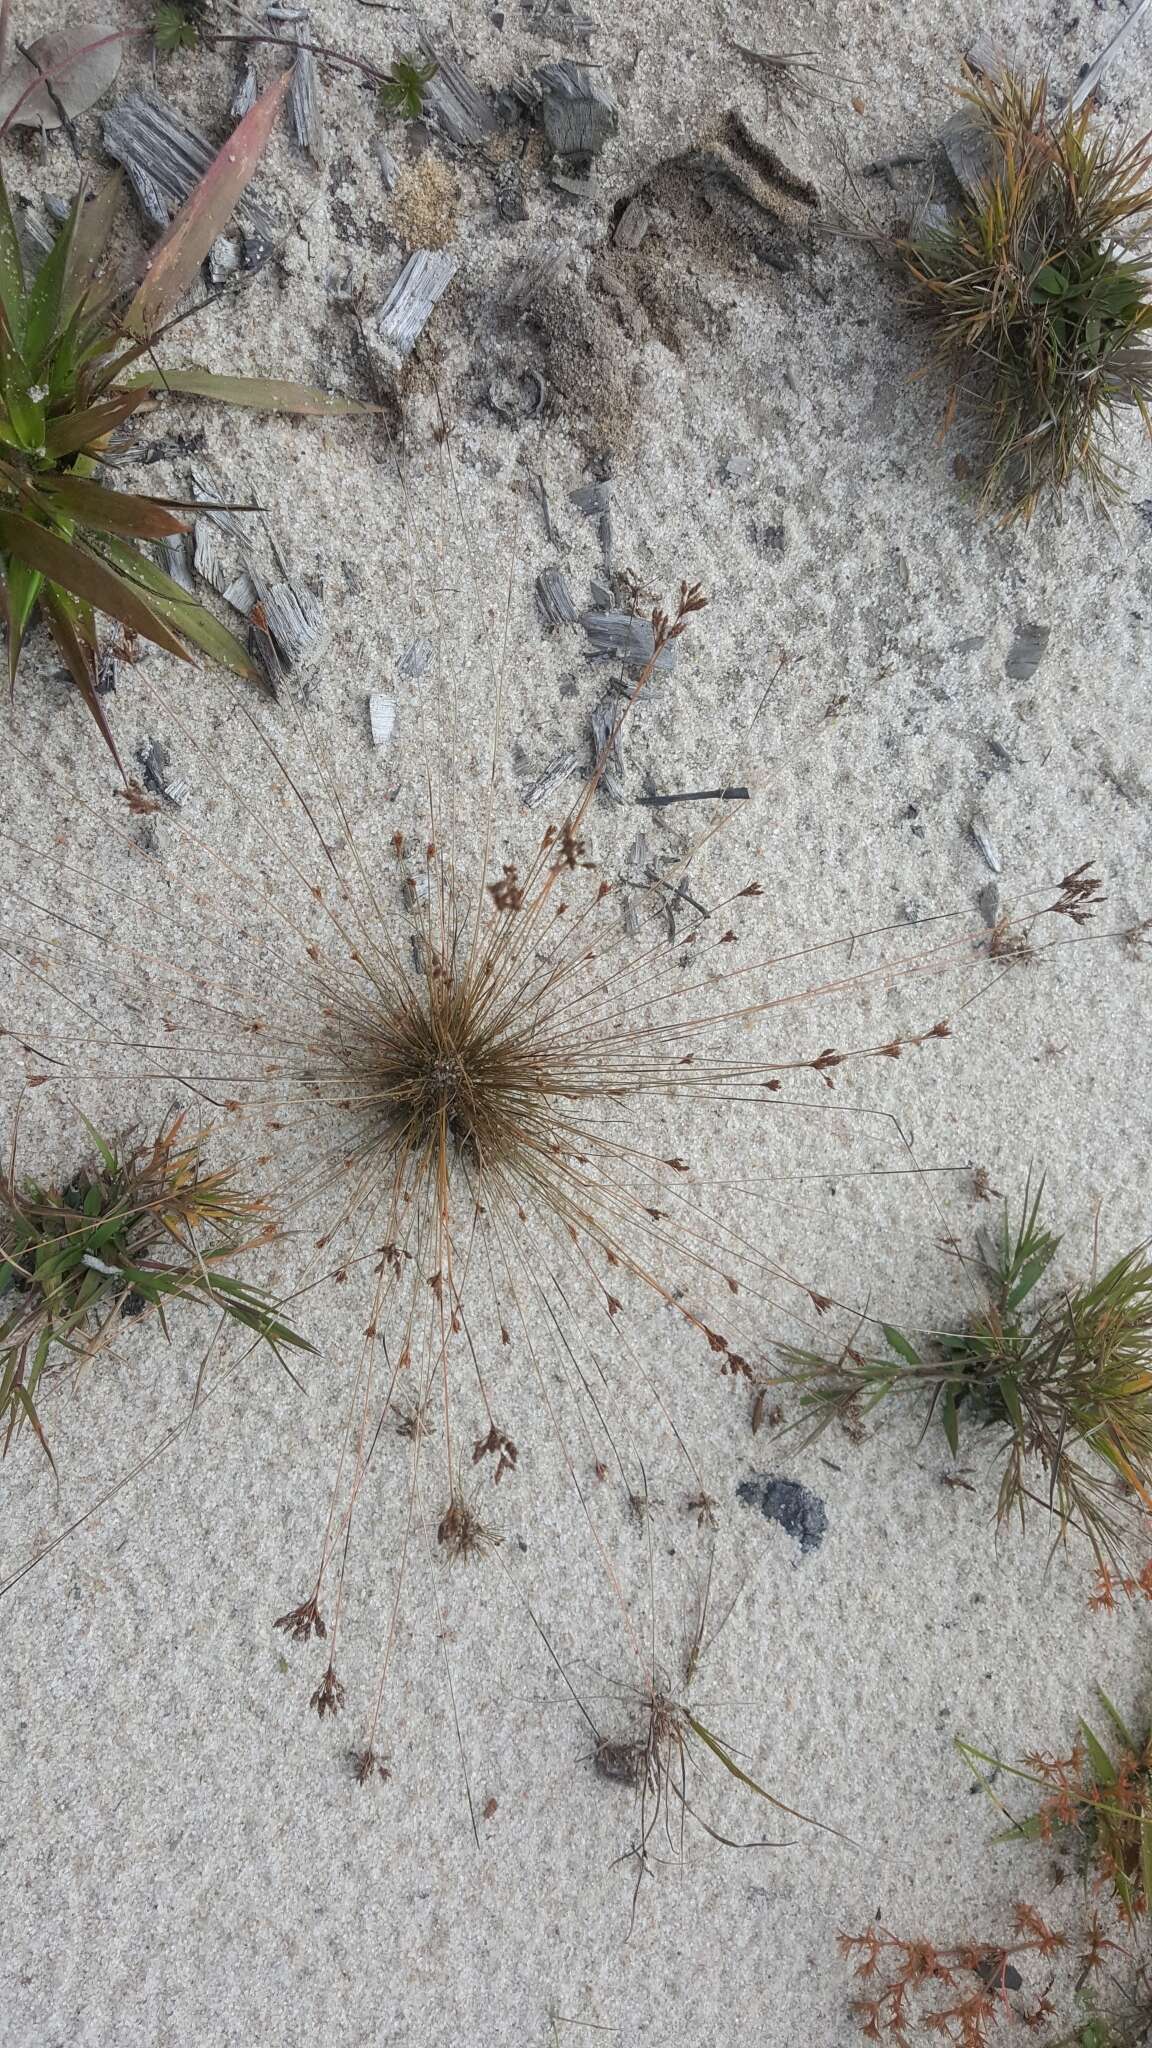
1103	1769
259	394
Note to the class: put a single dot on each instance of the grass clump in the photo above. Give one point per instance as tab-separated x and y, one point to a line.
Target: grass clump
1066	1386
72	337
75	1259
1037	295
1097	1806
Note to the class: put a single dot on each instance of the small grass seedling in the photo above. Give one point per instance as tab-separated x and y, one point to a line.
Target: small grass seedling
1097	1806
176	25
75	1259
71	341
1037	297
402	91
1067	1386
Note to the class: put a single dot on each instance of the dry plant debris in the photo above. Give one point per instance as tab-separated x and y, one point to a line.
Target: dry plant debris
75	1259
974	1987
1037	297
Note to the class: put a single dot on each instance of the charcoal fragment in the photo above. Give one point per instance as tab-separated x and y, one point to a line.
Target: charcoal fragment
554	600
579	118
798	1512
980	833
244	96
623	636
207	560
414	661
550	779
457	107
604	720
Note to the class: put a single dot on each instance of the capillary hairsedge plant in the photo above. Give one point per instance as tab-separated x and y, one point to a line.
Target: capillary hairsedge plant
143	1226
493	1100
72	341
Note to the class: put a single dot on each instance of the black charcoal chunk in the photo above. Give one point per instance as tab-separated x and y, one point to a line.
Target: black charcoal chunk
624	637
605	720
457	107
559	771
800	1514
579	117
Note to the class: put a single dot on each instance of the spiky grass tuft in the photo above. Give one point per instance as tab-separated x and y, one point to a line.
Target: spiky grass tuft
75	1259
1067	1387
1038	301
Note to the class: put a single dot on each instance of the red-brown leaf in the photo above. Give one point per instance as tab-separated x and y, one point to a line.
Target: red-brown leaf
205	214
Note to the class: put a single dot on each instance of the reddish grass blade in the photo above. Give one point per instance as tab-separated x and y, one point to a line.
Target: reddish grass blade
178	255
80	429
106	511
86	577
95	218
80	663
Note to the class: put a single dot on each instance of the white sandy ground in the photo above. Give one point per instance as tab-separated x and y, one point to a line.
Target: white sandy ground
185	1859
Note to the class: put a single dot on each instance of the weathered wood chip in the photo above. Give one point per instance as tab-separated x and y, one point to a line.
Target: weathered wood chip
409	305
240	593
172	555
207	559
381	717
165	158
451	101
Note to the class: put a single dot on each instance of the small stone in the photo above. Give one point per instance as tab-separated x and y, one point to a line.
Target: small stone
632	225
1027	652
